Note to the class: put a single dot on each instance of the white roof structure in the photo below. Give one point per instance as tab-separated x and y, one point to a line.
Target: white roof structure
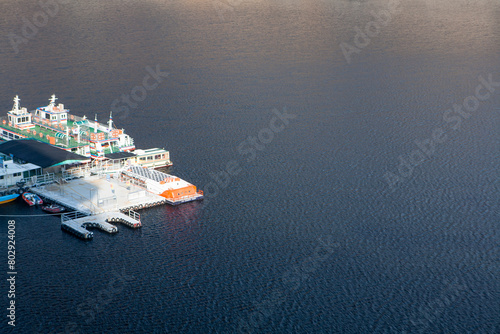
10	167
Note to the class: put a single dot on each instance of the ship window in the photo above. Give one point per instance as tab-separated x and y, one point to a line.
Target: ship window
1	177
54	117
150	158
158	156
10	119
11	135
5	132
63	116
163	156
142	159
47	116
16	174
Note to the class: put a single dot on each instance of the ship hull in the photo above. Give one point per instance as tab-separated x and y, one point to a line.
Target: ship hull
32	199
8	198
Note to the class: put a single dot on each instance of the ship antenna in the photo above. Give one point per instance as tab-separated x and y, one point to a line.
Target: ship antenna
95	128
110	120
16	103
53	99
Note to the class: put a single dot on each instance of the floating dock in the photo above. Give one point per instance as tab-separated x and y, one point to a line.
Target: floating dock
78	224
97	201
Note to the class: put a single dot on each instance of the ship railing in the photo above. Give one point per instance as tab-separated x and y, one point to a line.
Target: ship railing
134	178
62	128
39	180
105	167
134	215
46	124
76	172
71	216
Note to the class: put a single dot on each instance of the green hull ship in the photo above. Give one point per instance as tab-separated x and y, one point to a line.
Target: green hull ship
53	124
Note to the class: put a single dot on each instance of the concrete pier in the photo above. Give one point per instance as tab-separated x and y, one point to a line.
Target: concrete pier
98	194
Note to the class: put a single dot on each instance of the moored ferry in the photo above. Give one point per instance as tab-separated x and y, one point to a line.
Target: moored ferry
153	157
53	124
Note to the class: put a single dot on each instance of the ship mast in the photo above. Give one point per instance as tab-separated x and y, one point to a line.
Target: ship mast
52	100
15	108
110	123
95	128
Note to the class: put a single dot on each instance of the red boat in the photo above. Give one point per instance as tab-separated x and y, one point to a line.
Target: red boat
32	199
53	208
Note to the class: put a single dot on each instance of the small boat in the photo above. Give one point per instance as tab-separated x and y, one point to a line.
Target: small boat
8	198
32	199
53	208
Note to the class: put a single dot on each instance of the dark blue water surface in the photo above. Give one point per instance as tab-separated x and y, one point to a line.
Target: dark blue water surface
325	225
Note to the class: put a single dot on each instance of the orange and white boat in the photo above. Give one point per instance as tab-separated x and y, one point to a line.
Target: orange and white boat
174	189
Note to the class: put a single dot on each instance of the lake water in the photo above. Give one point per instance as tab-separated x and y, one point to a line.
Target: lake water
370	205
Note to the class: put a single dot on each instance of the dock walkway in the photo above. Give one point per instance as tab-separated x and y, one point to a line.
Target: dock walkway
98	201
77	223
